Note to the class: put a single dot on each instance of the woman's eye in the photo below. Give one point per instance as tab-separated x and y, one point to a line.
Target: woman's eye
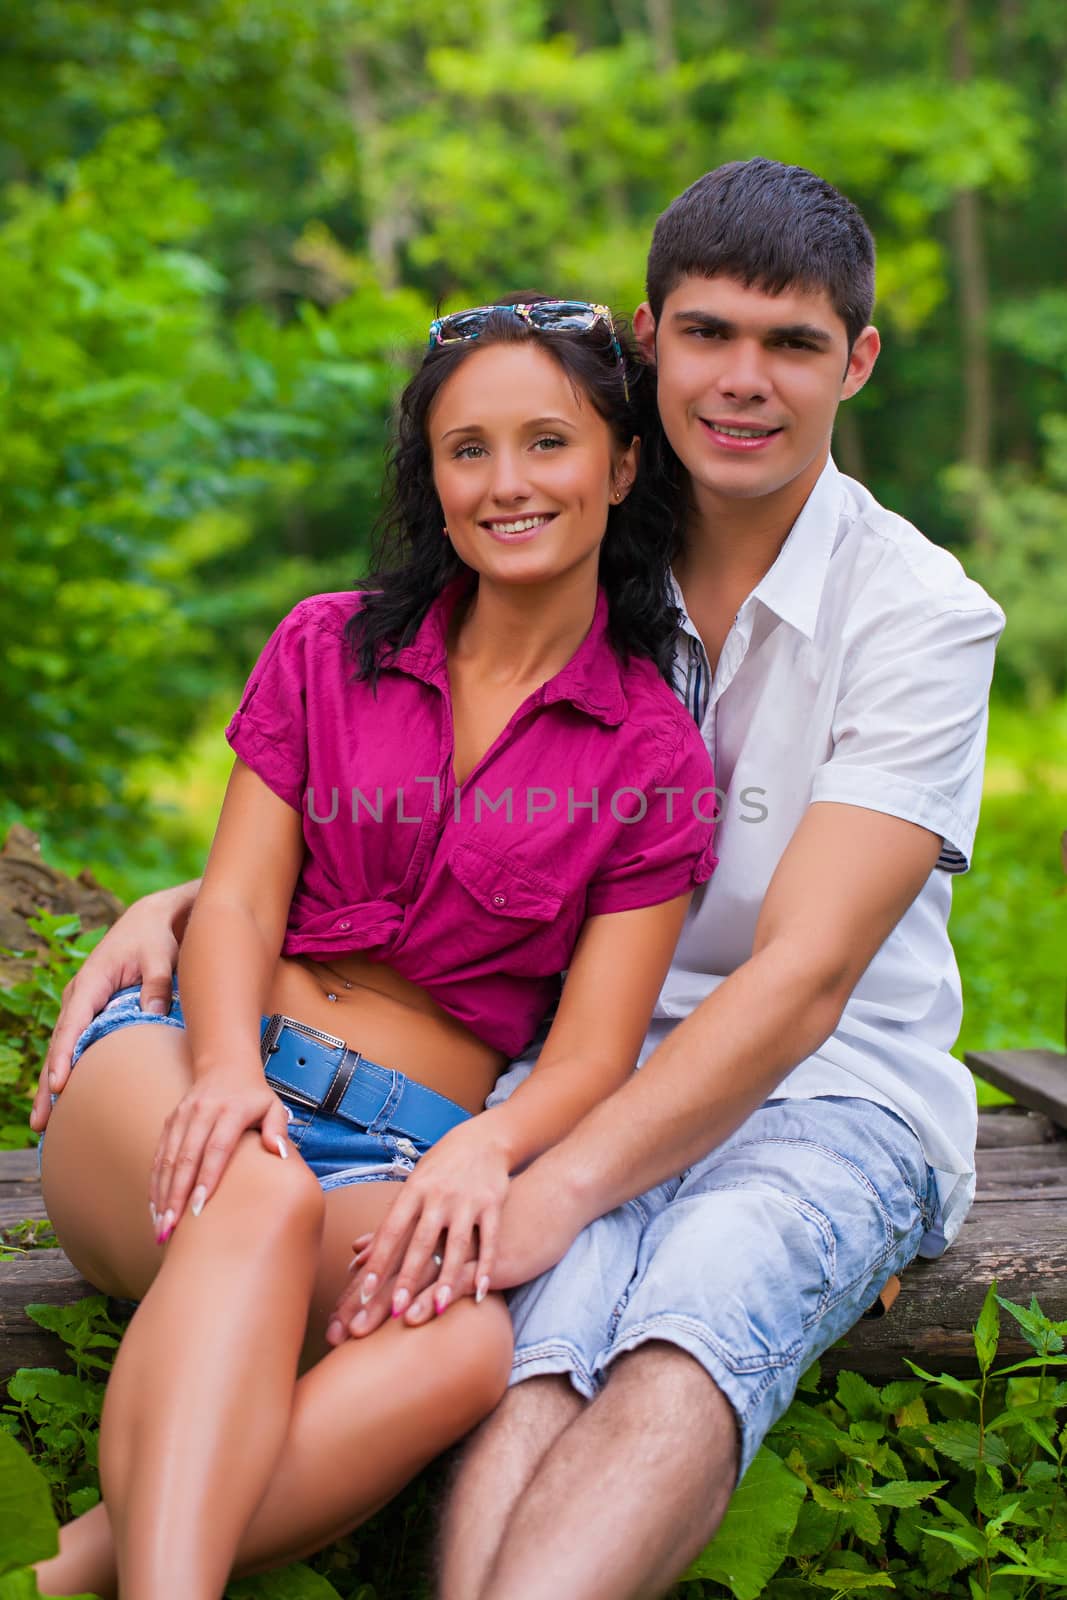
468	452
550	441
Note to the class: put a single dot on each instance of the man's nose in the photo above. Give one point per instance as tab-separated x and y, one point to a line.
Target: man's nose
743	375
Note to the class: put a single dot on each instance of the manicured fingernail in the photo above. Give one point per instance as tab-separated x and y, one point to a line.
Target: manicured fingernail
163	1235
169	1219
156	1007
401	1301
364	1239
359	1322
154	1215
196	1204
482	1289
335	1332
441	1299
288	1114
282	1148
419	1311
370	1283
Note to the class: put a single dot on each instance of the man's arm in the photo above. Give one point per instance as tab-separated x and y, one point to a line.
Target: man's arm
842	885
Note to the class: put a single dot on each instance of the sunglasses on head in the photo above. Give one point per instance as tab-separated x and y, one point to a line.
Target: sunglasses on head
547	316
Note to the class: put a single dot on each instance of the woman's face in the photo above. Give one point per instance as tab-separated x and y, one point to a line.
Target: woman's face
524	465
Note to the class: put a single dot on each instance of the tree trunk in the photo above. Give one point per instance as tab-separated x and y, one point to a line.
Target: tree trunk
383	229
968	244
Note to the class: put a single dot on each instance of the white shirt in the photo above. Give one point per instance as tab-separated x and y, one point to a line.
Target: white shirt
858	671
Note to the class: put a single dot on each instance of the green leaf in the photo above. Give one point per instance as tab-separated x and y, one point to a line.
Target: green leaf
843	1579
945	1380
859	1398
908	1493
1036	1328
752	1541
963	1443
28	1528
987	1329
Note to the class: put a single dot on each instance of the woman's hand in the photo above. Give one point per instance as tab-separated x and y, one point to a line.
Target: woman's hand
201	1134
143	944
455	1194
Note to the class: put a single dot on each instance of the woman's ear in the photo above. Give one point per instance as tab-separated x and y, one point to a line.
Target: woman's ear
624	470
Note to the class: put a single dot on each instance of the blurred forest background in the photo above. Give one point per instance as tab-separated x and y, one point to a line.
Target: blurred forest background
225	224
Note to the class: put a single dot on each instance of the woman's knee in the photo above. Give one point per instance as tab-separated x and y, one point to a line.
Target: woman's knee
481	1345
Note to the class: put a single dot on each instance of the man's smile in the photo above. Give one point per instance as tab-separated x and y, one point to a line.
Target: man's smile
738	435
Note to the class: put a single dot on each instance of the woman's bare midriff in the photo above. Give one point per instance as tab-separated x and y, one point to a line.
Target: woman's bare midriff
389	1020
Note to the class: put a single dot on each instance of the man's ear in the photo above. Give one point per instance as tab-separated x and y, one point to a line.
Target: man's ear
863	355
644	326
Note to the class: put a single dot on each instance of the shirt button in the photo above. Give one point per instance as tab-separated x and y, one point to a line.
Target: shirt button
344	926
500	899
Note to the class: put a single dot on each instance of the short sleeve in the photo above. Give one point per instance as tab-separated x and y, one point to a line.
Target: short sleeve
666	848
269	728
909	728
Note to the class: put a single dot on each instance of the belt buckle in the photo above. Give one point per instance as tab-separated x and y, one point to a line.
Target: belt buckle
278	1020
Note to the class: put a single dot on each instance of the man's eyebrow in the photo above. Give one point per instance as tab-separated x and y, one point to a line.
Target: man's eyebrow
532	422
793	330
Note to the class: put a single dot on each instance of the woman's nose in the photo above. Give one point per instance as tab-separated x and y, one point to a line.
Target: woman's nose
510	481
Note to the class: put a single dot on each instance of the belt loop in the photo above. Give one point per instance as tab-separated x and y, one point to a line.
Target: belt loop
392	1100
340	1081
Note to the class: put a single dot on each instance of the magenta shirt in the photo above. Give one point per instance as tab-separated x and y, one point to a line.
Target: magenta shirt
596	797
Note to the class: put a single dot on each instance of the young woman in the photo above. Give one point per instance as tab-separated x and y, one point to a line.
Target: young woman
449	788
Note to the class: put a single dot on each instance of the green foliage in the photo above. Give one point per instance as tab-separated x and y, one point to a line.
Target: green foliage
936	1486
28	1012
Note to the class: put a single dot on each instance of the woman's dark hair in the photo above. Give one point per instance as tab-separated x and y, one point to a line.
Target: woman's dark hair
412	562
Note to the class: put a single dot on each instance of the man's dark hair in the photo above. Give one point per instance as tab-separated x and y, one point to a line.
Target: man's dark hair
769	225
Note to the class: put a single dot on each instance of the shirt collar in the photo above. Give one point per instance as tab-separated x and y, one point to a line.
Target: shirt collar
591	680
793	587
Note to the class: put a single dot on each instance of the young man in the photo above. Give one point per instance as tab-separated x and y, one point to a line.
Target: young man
798	1130
797	1075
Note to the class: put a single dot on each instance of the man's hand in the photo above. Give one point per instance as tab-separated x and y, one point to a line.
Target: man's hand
142	945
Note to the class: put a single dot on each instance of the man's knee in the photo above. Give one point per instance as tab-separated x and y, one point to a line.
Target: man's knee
664	1382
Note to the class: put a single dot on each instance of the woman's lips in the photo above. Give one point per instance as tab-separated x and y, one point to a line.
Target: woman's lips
738	439
517	530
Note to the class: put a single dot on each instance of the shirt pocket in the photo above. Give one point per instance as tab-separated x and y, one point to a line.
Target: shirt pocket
519	916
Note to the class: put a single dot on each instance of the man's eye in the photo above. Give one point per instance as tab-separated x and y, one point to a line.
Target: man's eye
706	333
796	344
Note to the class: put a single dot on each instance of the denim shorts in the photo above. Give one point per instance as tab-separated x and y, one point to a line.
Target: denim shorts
377	1129
753	1261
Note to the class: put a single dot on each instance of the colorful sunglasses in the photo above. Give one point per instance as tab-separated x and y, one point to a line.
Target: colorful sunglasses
549	316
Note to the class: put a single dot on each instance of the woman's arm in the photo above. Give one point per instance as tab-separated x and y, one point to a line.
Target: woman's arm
142	946
227	961
616	973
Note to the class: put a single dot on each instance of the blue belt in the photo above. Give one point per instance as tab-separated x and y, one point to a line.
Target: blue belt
316	1070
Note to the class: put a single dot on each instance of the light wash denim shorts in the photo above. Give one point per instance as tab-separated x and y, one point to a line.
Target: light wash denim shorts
378	1122
754	1261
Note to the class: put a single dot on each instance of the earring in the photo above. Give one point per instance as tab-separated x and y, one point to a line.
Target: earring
444	531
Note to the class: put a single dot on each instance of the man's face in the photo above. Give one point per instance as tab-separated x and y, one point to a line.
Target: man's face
749	382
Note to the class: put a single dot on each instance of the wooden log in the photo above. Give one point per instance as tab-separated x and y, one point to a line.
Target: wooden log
41	1275
1023	1245
1009	1127
1036	1078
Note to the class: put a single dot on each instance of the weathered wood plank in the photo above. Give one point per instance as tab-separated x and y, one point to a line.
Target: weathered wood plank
1024	1247
42	1275
1036	1078
1004	1127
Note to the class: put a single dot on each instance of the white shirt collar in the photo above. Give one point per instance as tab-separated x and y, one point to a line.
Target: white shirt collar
793	587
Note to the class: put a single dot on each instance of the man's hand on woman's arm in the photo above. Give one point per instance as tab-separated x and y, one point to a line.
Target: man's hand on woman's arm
142	946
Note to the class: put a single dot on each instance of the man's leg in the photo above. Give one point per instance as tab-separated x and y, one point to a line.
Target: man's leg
629	1493
563	1320
494	1472
764	1254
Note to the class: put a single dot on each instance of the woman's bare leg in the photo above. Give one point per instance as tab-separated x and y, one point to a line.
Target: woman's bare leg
197	1406
363	1420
